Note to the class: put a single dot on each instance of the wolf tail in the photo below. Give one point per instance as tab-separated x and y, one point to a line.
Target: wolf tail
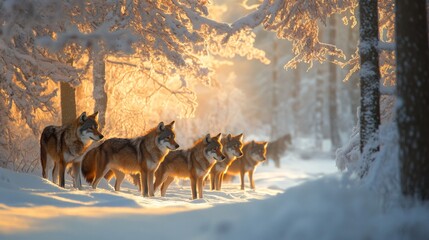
46	134
89	165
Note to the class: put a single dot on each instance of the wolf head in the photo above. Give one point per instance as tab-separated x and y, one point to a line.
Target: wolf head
213	148
258	151
166	136
88	127
233	146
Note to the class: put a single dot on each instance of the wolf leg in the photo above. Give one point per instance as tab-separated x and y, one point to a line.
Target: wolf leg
194	188
165	185
62	171
218	180
150	176
200	187
212	181
242	179
119	178
143	183
159	180
109	175
251	181
55	173
98	177
136	180
277	162
77	183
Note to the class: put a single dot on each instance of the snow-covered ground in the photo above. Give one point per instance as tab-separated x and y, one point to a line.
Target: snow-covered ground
305	199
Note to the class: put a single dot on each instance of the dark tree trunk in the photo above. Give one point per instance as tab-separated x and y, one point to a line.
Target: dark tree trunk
369	76
333	108
412	58
99	92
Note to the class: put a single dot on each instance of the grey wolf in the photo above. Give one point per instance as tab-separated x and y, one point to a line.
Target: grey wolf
141	155
64	145
253	154
278	147
194	163
232	148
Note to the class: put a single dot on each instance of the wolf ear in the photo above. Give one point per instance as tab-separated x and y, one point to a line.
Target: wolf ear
229	137
82	117
172	124
207	139
240	137
161	127
94	115
217	137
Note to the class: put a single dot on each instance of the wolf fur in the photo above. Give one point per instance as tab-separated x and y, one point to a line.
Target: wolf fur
253	154
194	163
277	148
64	145
232	148
141	155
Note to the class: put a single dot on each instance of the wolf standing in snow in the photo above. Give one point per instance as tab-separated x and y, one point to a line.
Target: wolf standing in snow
64	145
141	155
253	154
277	148
232	147
194	163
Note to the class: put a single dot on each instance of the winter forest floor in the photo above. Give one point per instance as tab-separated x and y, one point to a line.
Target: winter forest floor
305	199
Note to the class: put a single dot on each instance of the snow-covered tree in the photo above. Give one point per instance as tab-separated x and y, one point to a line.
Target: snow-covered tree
370	76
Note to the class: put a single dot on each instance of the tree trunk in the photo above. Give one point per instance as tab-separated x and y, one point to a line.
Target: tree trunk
295	101
274	106
333	112
99	92
412	58
353	82
319	107
369	77
68	101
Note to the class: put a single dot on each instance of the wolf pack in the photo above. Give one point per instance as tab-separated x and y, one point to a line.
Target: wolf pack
152	161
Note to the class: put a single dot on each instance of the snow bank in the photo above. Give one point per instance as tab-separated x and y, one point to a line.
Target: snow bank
298	201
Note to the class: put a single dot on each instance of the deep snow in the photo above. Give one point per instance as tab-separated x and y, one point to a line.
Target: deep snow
305	199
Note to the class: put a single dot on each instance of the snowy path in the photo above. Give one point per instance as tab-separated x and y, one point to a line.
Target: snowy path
32	208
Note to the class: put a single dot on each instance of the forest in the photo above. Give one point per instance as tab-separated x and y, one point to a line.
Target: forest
346	80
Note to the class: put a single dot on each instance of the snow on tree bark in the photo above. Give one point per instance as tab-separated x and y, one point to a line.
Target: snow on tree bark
412	57
370	77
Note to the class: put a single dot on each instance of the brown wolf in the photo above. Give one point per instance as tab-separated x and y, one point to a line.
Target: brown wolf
253	155
232	147
194	163
141	155
64	145
276	148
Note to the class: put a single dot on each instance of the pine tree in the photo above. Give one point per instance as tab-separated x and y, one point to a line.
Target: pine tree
412	57
370	75
333	108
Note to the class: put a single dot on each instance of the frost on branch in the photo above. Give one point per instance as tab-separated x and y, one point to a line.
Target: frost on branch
385	46
297	21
